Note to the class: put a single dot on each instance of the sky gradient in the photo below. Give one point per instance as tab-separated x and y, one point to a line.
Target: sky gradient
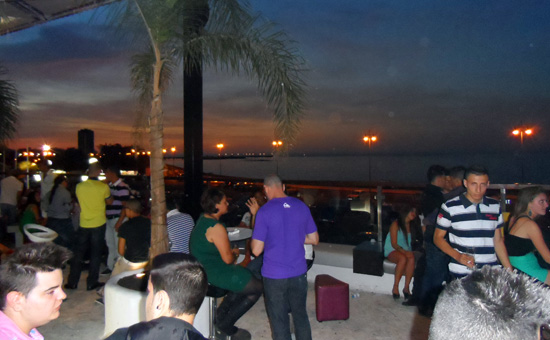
425	76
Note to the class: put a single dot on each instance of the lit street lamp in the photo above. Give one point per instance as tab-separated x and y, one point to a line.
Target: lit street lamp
521	131
277	144
369	139
220	146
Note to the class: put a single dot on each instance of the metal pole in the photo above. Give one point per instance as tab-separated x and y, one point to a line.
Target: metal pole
522	158
369	164
379	201
28	166
503	200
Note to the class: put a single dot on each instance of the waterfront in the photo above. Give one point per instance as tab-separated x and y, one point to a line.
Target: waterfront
404	168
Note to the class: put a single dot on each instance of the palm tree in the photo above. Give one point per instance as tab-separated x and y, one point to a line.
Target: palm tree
222	34
9	111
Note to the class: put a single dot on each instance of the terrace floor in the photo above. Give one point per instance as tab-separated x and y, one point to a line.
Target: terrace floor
372	317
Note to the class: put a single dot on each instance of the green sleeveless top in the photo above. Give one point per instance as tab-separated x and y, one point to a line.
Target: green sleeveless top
220	274
26	218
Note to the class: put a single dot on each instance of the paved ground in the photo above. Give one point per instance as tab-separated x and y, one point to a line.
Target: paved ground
372	317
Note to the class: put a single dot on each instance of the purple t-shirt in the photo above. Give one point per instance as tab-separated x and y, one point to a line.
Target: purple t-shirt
282	224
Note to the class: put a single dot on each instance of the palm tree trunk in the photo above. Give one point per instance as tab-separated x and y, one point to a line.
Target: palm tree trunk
159	234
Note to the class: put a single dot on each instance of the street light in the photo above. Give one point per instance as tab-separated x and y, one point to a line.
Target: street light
277	144
369	139
220	146
521	131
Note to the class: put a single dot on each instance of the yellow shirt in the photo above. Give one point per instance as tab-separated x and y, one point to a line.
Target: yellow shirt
91	196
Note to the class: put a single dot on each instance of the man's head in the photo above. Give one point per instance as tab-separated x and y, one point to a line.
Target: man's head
436	175
30	284
273	187
456	177
259	195
491	303
177	286
112	173
476	182
94	170
174	201
133	208
44	165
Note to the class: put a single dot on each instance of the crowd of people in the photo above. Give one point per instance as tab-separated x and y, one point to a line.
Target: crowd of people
465	238
108	214
465	230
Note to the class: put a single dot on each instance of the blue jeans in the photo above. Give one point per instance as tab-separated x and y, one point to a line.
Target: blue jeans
437	272
283	296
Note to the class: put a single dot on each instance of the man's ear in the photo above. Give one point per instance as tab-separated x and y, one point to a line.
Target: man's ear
161	304
14	300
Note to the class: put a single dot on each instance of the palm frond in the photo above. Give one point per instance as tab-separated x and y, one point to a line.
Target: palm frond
255	48
9	108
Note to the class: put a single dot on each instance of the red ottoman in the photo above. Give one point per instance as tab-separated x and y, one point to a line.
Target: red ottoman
331	298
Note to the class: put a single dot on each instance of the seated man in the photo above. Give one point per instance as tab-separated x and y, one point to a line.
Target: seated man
175	291
134	239
491	303
30	290
179	226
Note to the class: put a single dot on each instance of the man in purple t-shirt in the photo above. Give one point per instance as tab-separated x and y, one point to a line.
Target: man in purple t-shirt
283	226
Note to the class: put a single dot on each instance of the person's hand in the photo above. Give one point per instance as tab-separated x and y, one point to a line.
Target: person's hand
235	252
253	205
117	225
467	260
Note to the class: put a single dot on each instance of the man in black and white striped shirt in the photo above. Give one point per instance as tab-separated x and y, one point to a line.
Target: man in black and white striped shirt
474	224
120	192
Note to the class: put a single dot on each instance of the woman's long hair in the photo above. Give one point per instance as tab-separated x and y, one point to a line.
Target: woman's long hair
526	196
404	211
56	183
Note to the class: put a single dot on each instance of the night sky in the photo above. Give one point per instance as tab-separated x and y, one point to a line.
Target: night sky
425	76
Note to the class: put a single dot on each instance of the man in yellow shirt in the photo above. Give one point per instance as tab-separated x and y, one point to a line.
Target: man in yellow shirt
93	196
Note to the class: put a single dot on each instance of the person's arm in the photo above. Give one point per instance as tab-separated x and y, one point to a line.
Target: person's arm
257	246
312	238
394	229
121	246
536	237
218	235
109	200
500	249
36	212
121	217
441	243
253	205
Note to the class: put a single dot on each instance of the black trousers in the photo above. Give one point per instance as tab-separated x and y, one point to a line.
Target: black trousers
87	238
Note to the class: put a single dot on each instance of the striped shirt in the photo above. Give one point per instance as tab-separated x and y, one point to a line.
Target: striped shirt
179	227
120	192
471	228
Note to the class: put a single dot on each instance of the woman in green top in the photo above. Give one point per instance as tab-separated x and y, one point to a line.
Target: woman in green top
209	243
31	212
